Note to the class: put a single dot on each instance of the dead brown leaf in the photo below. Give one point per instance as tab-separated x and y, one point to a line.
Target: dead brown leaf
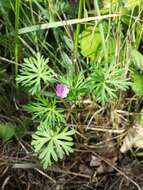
107	152
134	138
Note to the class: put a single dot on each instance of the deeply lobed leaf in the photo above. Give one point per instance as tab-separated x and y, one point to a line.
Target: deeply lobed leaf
52	144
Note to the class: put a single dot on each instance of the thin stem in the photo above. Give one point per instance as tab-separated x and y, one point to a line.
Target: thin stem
76	39
78	28
101	30
17	11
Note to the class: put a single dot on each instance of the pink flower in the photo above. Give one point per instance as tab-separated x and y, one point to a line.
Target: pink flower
62	90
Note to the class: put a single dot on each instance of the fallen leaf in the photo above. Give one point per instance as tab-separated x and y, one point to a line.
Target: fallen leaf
95	161
134	138
108	152
101	166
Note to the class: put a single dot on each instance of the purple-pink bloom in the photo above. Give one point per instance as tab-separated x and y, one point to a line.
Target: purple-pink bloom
62	90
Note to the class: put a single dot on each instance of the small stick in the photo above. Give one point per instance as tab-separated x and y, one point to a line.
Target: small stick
118	170
44	174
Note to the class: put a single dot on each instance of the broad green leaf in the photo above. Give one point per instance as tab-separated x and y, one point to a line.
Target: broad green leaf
139	118
137	85
137	58
90	41
7	131
124	11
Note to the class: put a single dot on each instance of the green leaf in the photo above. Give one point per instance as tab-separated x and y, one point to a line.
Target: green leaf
111	48
137	85
139	119
7	131
7	3
105	81
90	41
77	86
132	3
34	73
52	144
46	111
108	3
137	58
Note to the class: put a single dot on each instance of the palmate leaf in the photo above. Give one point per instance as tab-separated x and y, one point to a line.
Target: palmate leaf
77	86
34	72
52	144
46	111
105	81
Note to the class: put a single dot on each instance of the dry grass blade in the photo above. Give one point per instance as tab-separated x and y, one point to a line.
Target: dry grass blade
7	60
44	174
118	131
24	165
5	182
58	170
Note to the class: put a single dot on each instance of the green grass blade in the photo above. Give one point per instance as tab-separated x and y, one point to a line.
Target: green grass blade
17	10
101	31
64	23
